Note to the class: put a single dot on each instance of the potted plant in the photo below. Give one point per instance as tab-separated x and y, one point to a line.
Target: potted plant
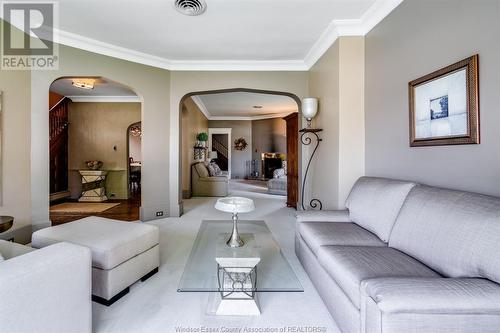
203	138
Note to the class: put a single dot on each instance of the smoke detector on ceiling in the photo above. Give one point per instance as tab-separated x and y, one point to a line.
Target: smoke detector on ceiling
190	7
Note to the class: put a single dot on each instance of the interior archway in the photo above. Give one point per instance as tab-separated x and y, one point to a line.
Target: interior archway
183	170
88	117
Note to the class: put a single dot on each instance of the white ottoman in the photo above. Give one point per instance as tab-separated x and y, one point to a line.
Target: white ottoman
122	252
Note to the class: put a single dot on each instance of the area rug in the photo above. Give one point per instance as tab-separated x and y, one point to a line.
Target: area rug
82	207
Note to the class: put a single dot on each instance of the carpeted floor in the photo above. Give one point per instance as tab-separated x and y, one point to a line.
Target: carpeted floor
82	207
156	306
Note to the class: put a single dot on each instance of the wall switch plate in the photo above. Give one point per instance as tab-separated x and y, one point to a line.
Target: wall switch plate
160	213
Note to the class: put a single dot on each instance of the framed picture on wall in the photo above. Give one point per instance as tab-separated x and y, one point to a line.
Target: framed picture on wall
444	106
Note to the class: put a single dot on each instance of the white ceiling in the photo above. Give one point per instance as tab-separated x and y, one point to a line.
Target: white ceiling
104	91
230	35
239	105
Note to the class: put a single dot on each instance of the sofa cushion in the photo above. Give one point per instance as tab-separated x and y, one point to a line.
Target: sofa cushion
111	242
350	265
434	295
374	203
322	216
202	170
10	250
455	233
317	234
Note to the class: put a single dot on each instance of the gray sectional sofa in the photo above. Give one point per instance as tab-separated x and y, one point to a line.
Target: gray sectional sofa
406	257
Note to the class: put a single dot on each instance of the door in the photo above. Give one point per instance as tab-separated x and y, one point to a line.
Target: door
292	131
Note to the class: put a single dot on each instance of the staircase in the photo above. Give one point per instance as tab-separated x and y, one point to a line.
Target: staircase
222	153
58	139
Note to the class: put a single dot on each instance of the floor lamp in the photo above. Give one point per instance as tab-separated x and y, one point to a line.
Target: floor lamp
309	110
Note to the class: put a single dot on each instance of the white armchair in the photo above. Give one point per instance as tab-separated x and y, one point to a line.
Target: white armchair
46	290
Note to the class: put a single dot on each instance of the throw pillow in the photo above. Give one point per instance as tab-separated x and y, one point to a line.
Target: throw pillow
279	173
284	166
211	170
217	169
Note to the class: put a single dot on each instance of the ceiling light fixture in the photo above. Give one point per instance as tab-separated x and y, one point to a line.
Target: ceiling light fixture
190	7
83	83
136	130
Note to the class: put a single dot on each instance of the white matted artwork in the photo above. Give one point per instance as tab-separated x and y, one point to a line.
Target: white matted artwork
444	107
441	107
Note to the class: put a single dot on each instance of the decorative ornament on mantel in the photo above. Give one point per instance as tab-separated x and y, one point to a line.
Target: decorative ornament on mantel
309	111
240	144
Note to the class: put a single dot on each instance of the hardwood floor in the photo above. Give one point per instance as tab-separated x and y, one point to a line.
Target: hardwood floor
127	211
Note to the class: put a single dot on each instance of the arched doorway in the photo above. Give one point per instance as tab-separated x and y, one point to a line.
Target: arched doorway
89	162
257	156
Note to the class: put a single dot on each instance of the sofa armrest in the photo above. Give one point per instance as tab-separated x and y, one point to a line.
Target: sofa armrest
453	304
323	216
47	290
214	179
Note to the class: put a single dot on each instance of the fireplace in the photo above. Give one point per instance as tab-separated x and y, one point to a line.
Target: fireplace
271	162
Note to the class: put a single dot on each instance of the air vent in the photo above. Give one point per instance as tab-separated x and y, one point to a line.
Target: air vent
190	7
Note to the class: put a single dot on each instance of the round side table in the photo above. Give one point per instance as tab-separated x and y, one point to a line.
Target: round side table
235	205
6	223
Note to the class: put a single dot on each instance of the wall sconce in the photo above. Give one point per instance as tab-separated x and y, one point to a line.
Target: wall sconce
309	111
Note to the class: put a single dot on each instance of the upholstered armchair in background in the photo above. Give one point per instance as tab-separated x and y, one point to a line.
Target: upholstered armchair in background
204	185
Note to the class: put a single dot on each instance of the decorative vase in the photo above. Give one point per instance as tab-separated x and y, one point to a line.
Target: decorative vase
93	165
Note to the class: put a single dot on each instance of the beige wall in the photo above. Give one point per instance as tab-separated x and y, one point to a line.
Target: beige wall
151	85
401	49
239	158
351	115
337	80
15	152
94	132
193	122
268	136
184	82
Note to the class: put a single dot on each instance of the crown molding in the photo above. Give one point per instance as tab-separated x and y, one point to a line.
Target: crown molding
238	65
250	118
197	100
337	28
95	46
354	27
104	99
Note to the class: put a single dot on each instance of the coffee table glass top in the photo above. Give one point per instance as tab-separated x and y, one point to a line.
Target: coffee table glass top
274	273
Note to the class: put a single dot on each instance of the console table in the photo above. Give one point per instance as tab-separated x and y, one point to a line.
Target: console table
6	223
93	186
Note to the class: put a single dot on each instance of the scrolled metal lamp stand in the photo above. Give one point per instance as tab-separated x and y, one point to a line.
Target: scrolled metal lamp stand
306	141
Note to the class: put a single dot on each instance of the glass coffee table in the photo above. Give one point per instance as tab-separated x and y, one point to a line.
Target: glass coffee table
237	275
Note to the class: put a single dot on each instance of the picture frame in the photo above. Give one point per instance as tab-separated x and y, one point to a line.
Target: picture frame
444	106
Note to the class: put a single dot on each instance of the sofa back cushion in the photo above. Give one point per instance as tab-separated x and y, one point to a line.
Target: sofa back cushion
455	233
374	203
201	170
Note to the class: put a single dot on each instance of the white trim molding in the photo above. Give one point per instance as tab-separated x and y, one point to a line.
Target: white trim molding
337	28
104	99
199	103
227	131
197	100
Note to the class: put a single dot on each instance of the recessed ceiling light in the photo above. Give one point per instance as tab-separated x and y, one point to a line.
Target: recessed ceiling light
257	106
84	83
190	7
